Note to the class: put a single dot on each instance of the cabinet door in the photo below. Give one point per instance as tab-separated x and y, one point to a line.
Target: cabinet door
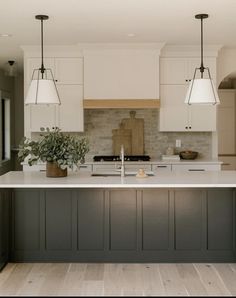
196	167
26	220
123	220
181	70
58	220
174	71
161	168
202	118
91	206
4	227
71	113
42	116
155	219
69	70
121	74
173	111
220	219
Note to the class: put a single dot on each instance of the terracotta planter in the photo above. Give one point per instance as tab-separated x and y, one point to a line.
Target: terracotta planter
52	170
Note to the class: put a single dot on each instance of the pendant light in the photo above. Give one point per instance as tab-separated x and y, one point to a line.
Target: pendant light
42	89
203	90
10	69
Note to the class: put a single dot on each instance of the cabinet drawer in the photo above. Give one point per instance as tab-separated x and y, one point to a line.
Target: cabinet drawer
42	168
34	168
161	168
196	167
117	165
85	168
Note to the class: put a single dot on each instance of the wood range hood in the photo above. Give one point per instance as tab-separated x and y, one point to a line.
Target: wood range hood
121	103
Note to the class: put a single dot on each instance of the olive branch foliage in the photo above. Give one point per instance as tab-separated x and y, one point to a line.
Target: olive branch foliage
54	146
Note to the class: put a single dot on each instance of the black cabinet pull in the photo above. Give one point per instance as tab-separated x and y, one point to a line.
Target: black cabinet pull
196	170
186	127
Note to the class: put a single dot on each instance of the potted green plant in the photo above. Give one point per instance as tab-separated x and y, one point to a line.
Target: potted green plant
58	150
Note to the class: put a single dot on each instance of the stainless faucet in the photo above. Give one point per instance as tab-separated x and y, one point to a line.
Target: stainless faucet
122	157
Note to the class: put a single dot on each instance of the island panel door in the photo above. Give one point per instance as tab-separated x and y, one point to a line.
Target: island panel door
4	226
188	219
26	220
155	219
123	219
58	220
91	204
221	219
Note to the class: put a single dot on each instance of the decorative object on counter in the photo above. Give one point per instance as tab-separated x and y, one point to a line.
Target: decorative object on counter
170	151
188	154
137	132
141	174
55	148
203	90
172	157
42	89
117	158
121	136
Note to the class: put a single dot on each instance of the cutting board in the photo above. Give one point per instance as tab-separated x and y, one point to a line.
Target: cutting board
122	136
136	125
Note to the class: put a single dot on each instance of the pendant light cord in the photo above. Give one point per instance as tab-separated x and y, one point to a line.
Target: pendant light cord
202	68
42	64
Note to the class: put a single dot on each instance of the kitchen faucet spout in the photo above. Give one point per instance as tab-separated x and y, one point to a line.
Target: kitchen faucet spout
122	157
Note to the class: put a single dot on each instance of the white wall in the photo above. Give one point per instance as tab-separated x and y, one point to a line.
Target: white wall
7	84
226	63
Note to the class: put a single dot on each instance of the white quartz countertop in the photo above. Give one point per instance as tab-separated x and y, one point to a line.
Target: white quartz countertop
214	179
154	161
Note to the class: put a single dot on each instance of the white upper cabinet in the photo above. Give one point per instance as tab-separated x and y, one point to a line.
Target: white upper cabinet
69	71
175	76
71	113
68	75
121	74
180	70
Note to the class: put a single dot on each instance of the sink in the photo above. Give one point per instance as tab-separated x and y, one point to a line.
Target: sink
116	173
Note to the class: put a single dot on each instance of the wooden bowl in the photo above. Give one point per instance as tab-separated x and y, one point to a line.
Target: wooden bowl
188	154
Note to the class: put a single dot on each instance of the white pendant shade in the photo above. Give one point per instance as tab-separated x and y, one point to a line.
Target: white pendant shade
42	92
202	91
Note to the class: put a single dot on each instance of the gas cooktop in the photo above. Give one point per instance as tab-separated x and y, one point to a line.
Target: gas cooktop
117	158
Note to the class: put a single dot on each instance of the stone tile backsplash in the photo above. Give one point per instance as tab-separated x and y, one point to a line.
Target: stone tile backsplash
99	125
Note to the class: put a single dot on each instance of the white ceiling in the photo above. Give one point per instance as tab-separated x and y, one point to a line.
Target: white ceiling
74	21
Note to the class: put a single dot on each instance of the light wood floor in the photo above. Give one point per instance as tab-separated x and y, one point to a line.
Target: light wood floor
118	279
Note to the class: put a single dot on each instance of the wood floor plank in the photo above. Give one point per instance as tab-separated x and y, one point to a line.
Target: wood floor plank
172	282
6	272
151	280
16	278
191	280
228	275
209	277
131	280
64	279
73	282
113	280
94	272
92	288
54	280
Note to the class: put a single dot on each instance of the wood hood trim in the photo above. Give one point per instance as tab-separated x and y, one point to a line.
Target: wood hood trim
121	103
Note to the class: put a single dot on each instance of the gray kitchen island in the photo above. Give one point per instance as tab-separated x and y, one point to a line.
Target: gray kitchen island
170	217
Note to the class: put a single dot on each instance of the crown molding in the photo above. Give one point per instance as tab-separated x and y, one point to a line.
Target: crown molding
190	50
